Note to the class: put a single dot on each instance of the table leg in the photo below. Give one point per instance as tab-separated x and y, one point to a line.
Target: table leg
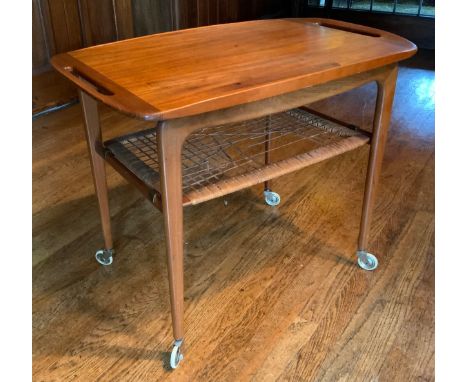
94	139
170	143
271	198
385	93
267	183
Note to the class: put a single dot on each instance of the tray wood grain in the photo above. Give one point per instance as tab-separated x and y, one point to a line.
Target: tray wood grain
194	71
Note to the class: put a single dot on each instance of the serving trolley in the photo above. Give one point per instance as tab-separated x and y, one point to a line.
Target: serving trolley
229	106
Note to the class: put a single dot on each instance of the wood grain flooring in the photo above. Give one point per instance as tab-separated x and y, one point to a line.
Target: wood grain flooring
272	294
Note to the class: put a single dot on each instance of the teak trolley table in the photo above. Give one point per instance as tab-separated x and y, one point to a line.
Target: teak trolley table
228	102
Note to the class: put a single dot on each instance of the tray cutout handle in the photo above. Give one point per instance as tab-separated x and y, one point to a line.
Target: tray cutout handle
89	81
344	28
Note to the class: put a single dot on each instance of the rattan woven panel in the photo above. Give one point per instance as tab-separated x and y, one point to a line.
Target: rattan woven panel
213	154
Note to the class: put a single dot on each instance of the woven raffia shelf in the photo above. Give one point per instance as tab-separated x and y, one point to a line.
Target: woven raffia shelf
222	159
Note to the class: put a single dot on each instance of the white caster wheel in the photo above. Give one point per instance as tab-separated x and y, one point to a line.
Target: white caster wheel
176	354
367	261
104	256
271	198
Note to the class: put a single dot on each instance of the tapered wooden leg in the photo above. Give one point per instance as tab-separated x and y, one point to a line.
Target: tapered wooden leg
169	150
267	184
94	138
271	198
385	93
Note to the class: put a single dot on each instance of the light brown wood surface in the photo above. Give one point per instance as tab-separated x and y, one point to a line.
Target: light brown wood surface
271	294
176	74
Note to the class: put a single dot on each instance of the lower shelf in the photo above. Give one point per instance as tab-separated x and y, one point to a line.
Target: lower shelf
222	159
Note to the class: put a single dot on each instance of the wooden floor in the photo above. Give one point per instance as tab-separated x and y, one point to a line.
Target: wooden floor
272	294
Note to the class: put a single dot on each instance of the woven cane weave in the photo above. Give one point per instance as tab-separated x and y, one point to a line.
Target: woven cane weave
212	154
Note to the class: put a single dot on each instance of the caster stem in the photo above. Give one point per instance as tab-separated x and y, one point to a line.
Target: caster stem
176	354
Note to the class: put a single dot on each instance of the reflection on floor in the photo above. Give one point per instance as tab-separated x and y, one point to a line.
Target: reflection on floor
271	293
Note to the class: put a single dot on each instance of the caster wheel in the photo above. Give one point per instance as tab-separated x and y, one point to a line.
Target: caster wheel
367	261
176	354
104	256
271	198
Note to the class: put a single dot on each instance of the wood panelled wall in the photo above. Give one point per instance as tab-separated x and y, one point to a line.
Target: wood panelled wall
194	13
63	25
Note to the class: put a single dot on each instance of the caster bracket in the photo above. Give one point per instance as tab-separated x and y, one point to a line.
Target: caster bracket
105	256
271	198
367	261
176	354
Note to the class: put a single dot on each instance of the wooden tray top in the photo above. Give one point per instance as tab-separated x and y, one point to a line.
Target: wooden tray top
193	71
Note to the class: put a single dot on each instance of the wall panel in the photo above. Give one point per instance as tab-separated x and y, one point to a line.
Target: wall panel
153	16
40	51
97	21
64	25
124	19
